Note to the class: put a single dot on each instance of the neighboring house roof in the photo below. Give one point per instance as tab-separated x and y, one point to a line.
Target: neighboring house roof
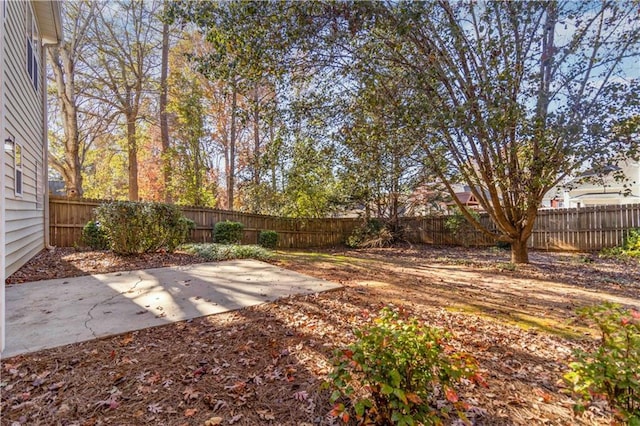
612	195
606	170
49	19
467	198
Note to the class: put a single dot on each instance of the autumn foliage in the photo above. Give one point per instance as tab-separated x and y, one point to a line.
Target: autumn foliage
612	371
401	372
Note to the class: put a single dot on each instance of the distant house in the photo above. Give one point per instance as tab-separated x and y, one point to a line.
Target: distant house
593	189
467	199
433	199
27	26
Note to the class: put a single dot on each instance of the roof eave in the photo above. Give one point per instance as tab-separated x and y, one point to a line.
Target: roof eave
49	16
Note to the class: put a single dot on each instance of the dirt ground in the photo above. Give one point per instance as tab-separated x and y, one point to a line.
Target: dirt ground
266	364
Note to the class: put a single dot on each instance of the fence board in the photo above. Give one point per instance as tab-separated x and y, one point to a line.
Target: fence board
586	228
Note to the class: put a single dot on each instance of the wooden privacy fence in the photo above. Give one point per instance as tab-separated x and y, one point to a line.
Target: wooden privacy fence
586	228
67	217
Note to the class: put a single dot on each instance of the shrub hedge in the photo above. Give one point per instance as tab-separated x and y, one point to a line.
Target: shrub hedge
141	227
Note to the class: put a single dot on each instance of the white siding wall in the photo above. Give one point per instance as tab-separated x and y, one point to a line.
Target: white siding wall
23	121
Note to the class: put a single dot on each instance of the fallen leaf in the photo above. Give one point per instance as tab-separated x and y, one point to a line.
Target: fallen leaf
414	398
301	395
190	393
189	412
543	395
213	421
236	387
155	378
451	395
154	408
265	415
235	419
199	372
57	385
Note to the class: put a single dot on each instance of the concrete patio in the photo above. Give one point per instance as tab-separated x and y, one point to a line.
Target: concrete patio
47	314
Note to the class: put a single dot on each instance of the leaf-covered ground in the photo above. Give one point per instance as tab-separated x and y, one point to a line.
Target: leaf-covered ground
265	365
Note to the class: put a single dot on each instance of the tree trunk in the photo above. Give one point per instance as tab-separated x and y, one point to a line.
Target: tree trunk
62	66
231	179
132	149
274	186
164	125
256	137
519	251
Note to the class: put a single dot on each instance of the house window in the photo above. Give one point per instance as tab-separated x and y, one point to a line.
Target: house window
17	167
33	48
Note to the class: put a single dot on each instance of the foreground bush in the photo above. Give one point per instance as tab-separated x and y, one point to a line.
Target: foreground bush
396	371
373	233
217	252
133	227
630	246
228	232
612	371
268	239
94	236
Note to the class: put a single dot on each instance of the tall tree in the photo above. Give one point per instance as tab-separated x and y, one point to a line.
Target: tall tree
192	182
240	50
164	122
381	158
75	123
125	42
510	97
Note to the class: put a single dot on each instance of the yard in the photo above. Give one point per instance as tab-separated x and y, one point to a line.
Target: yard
265	365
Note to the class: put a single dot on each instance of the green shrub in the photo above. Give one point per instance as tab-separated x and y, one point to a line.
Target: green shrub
630	246
373	233
268	239
503	245
217	252
94	236
228	232
461	229
395	373
133	227
612	371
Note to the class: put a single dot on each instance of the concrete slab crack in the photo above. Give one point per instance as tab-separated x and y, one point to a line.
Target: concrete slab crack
86	323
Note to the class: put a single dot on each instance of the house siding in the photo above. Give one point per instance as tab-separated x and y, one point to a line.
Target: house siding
608	191
24	226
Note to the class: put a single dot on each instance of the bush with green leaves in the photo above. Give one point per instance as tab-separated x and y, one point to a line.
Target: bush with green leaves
228	232
268	239
93	236
217	252
395	373
612	370
372	233
140	227
460	227
630	246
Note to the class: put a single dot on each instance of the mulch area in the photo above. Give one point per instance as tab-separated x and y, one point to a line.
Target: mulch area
266	364
66	262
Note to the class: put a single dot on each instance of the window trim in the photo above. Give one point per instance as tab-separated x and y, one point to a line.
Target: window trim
32	47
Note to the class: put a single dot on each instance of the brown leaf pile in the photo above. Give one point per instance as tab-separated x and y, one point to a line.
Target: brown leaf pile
265	365
66	262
